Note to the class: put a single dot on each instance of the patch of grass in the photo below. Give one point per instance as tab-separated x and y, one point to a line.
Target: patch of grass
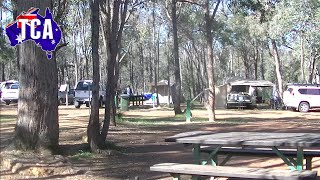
7	118
180	116
159	121
82	155
233	121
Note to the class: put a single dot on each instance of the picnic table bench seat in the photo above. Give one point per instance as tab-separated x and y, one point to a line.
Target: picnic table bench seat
264	152
176	169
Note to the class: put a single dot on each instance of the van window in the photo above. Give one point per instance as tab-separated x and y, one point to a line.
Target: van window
313	91
302	91
14	86
84	86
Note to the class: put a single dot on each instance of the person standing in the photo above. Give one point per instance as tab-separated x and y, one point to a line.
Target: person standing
129	91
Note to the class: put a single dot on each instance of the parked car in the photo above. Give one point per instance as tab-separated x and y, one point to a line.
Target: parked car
302	97
83	93
62	97
6	84
10	93
239	99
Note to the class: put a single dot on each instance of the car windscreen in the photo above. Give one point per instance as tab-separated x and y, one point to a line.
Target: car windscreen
84	86
7	85
14	86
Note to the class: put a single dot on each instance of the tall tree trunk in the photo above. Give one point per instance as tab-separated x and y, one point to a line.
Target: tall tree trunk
150	68
75	59
262	65
177	93
210	61
119	13
3	76
256	59
93	129
157	69
303	77
37	125
142	67
278	66
312	64
168	69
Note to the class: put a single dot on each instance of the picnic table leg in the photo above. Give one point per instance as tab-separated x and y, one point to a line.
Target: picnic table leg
309	163
290	164
196	158
299	158
196	153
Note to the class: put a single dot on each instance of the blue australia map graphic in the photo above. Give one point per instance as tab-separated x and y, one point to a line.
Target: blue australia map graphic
46	33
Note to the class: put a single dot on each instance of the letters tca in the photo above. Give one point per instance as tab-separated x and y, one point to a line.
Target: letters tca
43	30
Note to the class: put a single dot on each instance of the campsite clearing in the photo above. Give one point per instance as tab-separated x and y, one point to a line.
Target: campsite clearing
137	142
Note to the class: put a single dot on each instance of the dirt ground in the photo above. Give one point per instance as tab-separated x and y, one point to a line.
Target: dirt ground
137	142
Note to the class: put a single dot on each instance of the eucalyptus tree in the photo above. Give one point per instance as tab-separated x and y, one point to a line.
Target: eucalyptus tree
210	9
297	24
37	125
263	12
93	129
114	15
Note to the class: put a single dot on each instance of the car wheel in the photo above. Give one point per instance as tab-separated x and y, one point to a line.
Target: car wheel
304	107
77	104
7	102
87	104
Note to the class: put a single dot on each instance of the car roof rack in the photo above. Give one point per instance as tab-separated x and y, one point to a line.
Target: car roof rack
303	84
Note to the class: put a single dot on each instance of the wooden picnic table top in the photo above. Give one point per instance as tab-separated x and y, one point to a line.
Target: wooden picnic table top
248	138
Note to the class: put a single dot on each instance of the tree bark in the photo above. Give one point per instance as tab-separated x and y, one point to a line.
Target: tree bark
177	93
93	129
37	126
119	12
3	75
303	77
262	66
256	60
278	66
210	61
313	65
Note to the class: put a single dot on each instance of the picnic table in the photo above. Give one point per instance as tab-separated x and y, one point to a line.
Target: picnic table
275	141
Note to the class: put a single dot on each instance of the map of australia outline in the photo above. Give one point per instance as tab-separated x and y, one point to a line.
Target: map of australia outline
46	33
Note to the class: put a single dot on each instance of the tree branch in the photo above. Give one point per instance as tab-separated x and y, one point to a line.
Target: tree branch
215	10
194	2
61	46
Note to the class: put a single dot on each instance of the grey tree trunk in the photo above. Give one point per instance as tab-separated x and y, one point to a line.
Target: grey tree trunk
278	66
256	60
93	130
3	75
210	61
303	77
177	93
114	35
312	66
37	125
262	66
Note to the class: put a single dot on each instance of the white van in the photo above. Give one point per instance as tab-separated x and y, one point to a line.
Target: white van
83	93
10	93
302	97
